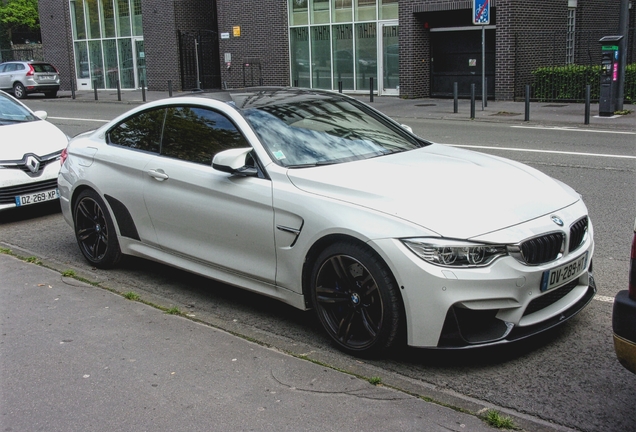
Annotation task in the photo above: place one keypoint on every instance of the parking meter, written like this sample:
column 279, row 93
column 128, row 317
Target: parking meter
column 609, row 75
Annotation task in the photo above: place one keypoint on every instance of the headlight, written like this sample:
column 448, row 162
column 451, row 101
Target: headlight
column 455, row 253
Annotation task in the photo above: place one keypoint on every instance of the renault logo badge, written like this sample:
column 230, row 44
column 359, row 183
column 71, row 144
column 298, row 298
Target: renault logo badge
column 557, row 220
column 32, row 164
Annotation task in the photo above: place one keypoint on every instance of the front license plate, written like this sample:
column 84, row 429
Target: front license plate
column 37, row 197
column 563, row 274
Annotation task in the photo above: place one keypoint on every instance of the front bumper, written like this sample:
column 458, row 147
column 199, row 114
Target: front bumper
column 478, row 306
column 624, row 326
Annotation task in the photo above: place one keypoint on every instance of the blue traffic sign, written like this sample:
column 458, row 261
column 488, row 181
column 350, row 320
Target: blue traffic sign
column 481, row 12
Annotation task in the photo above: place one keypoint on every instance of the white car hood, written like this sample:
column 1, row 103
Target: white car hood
column 39, row 137
column 454, row 192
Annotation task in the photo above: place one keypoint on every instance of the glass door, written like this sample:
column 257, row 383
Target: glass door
column 140, row 63
column 390, row 59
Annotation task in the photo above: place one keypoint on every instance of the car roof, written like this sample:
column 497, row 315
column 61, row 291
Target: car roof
column 253, row 97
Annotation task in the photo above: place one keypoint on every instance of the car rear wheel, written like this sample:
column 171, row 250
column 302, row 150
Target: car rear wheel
column 356, row 299
column 95, row 231
column 19, row 91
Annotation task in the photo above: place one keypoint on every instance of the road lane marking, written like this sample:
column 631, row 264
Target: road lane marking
column 542, row 151
column 78, row 119
column 604, row 299
column 574, row 129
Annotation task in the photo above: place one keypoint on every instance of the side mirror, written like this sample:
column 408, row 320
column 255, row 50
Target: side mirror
column 234, row 161
column 407, row 127
column 41, row 114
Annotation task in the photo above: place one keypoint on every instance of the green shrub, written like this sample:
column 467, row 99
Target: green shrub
column 567, row 83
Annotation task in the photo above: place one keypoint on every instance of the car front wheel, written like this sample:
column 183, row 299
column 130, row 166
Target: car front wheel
column 19, row 91
column 356, row 299
column 95, row 231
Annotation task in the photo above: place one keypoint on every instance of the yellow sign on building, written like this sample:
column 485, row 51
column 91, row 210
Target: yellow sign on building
column 236, row 31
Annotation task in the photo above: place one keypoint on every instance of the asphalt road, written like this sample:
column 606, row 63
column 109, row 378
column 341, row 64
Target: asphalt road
column 569, row 376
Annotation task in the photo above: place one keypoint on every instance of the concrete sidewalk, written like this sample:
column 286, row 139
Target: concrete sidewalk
column 79, row 358
column 540, row 113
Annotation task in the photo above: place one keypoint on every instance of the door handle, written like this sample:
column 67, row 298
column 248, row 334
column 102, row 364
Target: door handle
column 158, row 174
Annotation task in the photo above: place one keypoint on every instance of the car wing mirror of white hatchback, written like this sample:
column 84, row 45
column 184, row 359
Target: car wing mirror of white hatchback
column 234, row 161
column 41, row 114
column 407, row 127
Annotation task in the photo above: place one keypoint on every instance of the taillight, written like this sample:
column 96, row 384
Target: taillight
column 31, row 71
column 632, row 270
column 64, row 155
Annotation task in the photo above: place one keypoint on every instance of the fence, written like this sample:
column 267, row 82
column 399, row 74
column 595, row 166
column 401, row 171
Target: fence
column 543, row 55
column 22, row 54
column 199, row 55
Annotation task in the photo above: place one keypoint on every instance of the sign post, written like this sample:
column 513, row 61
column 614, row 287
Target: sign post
column 481, row 16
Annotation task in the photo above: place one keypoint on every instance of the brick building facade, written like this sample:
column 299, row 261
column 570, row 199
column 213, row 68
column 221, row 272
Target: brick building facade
column 249, row 43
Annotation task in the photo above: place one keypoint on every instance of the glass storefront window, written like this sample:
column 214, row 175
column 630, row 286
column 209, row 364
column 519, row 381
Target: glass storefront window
column 81, row 60
column 92, row 16
column 343, row 67
column 96, row 63
column 300, row 68
column 298, row 12
column 366, row 55
column 321, row 57
column 115, row 47
column 77, row 19
column 341, row 11
column 365, row 10
column 389, row 9
column 127, row 65
column 110, row 63
column 123, row 18
column 108, row 18
column 319, row 11
column 137, row 23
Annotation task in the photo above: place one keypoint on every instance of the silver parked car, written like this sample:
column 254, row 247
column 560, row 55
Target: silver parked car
column 26, row 77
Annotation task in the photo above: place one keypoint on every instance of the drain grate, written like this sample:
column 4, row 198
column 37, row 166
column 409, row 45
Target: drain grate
column 554, row 106
column 425, row 105
column 505, row 114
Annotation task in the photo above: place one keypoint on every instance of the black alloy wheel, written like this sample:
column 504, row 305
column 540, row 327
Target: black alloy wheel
column 95, row 231
column 356, row 299
column 19, row 91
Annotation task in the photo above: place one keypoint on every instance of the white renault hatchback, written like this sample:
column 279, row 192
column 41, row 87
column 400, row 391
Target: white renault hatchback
column 30, row 150
column 320, row 201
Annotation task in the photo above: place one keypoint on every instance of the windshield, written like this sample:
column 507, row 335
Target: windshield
column 310, row 130
column 13, row 112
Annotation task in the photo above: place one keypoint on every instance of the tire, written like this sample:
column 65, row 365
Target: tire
column 356, row 299
column 94, row 230
column 19, row 91
column 50, row 94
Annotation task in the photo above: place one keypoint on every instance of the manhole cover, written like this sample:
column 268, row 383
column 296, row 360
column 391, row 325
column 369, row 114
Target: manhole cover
column 554, row 106
column 425, row 105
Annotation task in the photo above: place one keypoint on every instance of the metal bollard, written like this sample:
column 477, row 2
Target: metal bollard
column 587, row 104
column 527, row 115
column 143, row 91
column 169, row 88
column 95, row 88
column 472, row 101
column 485, row 92
column 370, row 89
column 118, row 91
column 295, row 83
column 72, row 89
column 455, row 98
column 339, row 86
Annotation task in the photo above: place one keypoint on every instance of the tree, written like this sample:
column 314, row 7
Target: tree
column 18, row 15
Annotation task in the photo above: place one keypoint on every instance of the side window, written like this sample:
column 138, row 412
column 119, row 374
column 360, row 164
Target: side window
column 141, row 132
column 197, row 134
column 2, row 67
